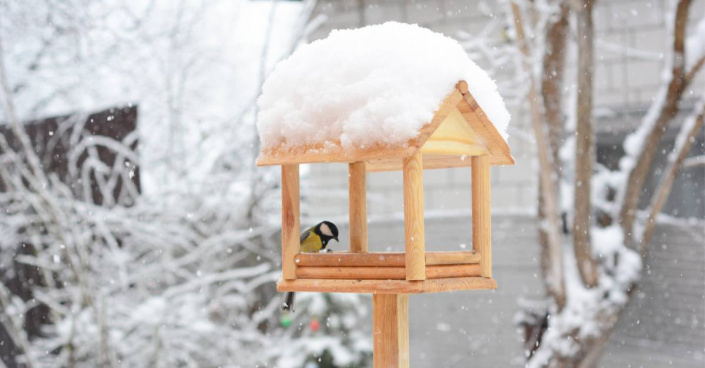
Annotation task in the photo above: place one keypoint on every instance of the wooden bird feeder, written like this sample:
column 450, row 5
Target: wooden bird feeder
column 459, row 135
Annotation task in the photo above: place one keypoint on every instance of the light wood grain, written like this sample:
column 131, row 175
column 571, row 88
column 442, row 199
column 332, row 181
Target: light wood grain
column 481, row 215
column 357, row 188
column 387, row 286
column 454, row 137
column 481, row 124
column 339, row 259
column 384, row 273
column 449, row 271
column 382, row 259
column 414, row 232
column 430, row 161
column 351, row 273
column 452, row 258
column 291, row 245
column 462, row 86
column 390, row 331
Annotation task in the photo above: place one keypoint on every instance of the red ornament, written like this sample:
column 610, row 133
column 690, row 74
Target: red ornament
column 315, row 326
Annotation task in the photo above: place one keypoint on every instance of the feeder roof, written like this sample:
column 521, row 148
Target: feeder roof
column 378, row 94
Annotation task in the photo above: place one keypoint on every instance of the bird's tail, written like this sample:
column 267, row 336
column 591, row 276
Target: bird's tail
column 288, row 304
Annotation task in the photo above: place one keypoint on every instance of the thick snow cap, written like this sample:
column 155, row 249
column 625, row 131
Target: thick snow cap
column 374, row 85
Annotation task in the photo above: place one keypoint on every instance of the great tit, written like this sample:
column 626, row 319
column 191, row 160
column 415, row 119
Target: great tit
column 313, row 240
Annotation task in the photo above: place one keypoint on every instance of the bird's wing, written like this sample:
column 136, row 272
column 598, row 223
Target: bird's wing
column 305, row 235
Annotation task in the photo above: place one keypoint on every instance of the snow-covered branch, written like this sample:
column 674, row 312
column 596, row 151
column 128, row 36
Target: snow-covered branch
column 694, row 162
column 131, row 279
column 640, row 146
column 547, row 180
column 676, row 158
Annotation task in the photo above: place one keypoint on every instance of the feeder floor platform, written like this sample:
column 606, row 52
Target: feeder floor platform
column 388, row 286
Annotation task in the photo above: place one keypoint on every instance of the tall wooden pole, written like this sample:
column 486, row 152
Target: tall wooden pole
column 357, row 186
column 291, row 245
column 481, row 216
column 413, row 218
column 390, row 318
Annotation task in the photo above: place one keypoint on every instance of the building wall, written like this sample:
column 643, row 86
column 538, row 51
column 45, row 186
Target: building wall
column 632, row 38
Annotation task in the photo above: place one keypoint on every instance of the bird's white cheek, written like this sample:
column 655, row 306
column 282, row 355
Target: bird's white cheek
column 325, row 230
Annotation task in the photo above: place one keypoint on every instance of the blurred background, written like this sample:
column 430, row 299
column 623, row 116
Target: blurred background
column 136, row 230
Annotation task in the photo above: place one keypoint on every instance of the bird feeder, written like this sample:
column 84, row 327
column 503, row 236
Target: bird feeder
column 459, row 135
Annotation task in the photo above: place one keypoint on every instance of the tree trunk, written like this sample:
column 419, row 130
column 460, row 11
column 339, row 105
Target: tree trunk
column 553, row 71
column 546, row 107
column 585, row 149
column 555, row 281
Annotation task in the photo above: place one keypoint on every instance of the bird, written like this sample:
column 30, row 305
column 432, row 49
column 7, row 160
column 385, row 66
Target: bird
column 313, row 240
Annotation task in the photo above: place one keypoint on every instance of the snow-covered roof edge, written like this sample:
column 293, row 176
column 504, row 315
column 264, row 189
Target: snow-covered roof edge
column 377, row 85
column 459, row 97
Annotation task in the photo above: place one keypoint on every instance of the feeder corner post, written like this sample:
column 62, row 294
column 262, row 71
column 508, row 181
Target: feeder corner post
column 481, row 215
column 414, row 232
column 291, row 244
column 390, row 318
column 357, row 186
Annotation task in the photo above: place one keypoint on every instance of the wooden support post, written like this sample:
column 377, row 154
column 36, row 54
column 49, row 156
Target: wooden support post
column 291, row 245
column 413, row 218
column 390, row 319
column 357, row 186
column 481, row 217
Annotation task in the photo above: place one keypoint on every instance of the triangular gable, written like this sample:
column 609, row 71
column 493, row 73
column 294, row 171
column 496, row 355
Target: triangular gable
column 459, row 129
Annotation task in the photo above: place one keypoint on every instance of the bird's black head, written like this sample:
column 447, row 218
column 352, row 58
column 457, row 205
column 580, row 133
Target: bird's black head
column 327, row 231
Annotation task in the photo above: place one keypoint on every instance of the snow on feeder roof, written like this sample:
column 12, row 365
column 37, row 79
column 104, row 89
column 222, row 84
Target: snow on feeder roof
column 378, row 94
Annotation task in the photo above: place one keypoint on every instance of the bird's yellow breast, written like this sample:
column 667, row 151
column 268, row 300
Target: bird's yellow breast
column 312, row 243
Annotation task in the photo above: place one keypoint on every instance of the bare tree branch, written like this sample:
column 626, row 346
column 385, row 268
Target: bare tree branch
column 552, row 81
column 654, row 124
column 555, row 282
column 15, row 328
column 552, row 93
column 585, row 148
column 694, row 162
column 690, row 75
column 684, row 142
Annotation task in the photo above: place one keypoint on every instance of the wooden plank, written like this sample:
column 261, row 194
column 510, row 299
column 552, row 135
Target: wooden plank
column 452, row 258
column 388, row 286
column 478, row 120
column 382, row 259
column 481, row 216
column 350, row 260
column 449, row 271
column 332, row 152
column 351, row 273
column 384, row 273
column 291, row 245
column 357, row 187
column 430, row 161
column 414, row 218
column 390, row 330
